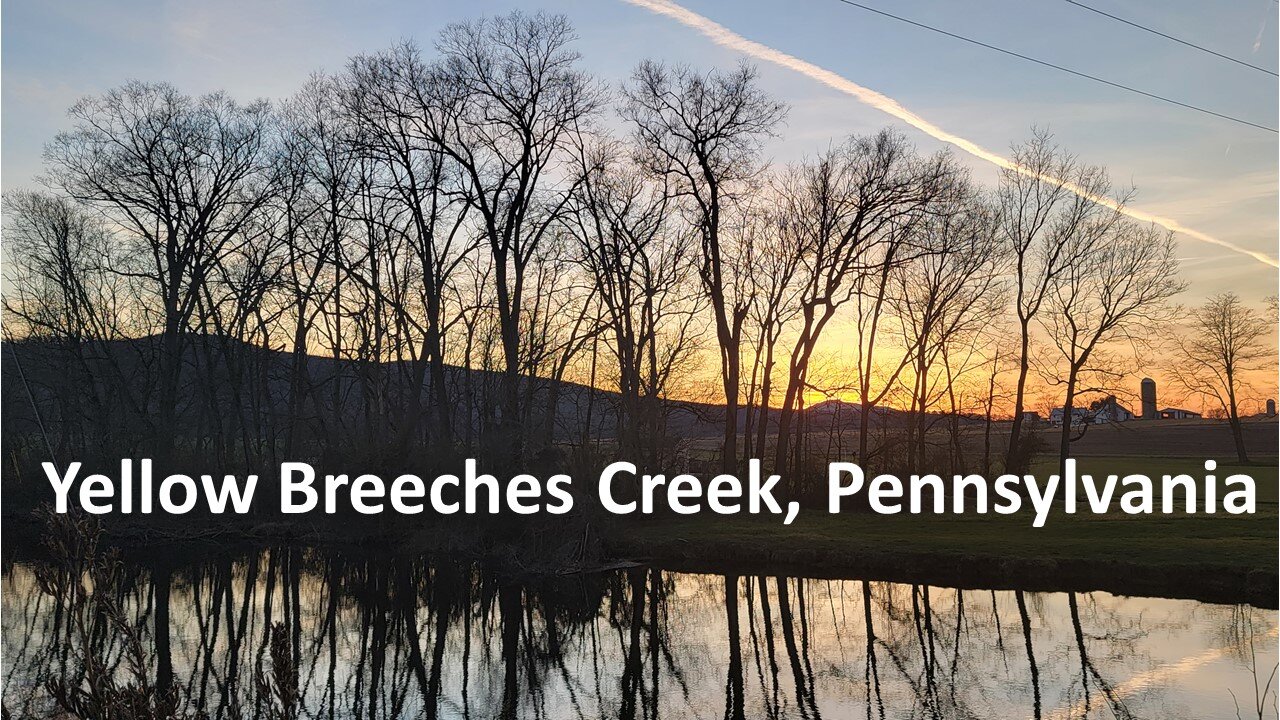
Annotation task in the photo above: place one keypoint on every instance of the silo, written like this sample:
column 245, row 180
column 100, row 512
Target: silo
column 1148, row 399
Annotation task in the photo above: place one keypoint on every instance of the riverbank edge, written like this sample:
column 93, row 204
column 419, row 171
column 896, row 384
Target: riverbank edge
column 656, row 546
column 1204, row 582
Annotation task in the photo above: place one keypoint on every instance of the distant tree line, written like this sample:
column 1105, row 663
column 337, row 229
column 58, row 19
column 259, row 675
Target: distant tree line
column 419, row 254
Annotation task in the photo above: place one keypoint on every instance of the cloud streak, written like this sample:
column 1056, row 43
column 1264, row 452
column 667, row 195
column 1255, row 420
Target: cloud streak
column 1160, row 675
column 727, row 38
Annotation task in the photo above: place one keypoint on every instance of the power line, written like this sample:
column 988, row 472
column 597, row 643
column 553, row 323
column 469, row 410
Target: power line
column 1170, row 37
column 1045, row 63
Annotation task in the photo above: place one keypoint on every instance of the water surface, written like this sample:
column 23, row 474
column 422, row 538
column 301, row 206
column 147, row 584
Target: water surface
column 290, row 632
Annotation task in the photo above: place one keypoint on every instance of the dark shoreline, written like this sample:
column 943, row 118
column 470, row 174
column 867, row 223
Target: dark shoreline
column 1226, row 585
column 1204, row 582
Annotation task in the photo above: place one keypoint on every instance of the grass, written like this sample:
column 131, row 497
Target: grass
column 1246, row 543
column 1175, row 554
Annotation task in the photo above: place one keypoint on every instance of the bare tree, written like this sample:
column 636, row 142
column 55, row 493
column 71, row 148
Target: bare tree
column 56, row 270
column 944, row 300
column 774, row 304
column 1045, row 202
column 387, row 98
column 998, row 357
column 508, row 104
column 1116, row 289
column 235, row 318
column 1225, row 340
column 319, row 178
column 875, row 379
column 60, row 292
column 837, row 209
column 704, row 132
column 640, row 259
column 561, row 318
column 182, row 177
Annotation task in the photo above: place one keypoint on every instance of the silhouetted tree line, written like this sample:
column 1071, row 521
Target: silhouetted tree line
column 430, row 254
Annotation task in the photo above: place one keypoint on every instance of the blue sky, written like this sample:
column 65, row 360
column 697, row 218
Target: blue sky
column 1206, row 173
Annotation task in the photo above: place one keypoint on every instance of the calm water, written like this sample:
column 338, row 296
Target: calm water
column 295, row 633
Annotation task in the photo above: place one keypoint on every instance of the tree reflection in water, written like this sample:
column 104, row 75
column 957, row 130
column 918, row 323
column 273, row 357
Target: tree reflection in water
column 289, row 632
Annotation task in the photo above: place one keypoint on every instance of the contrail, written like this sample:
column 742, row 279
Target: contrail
column 725, row 37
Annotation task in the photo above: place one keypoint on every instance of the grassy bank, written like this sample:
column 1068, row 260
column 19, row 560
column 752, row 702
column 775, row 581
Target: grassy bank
column 1215, row 558
column 1218, row 557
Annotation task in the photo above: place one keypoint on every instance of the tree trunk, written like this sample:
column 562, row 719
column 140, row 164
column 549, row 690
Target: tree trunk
column 1068, row 410
column 1237, row 430
column 1013, row 460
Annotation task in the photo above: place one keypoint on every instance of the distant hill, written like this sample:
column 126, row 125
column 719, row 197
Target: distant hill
column 32, row 372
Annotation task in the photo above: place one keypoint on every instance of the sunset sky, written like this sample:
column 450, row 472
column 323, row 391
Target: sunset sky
column 1206, row 173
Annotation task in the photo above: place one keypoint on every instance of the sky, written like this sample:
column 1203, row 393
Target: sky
column 1205, row 173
